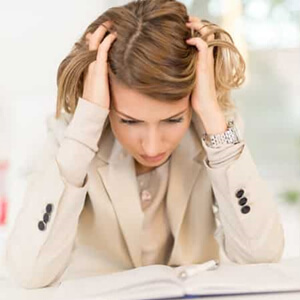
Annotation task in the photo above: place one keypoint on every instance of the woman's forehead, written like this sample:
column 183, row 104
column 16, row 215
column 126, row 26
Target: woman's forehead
column 148, row 110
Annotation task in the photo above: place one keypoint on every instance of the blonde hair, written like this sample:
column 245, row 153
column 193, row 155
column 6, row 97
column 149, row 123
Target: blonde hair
column 150, row 55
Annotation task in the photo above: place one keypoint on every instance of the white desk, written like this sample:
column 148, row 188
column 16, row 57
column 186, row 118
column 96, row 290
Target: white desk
column 9, row 290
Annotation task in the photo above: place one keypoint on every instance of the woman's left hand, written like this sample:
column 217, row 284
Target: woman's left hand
column 204, row 96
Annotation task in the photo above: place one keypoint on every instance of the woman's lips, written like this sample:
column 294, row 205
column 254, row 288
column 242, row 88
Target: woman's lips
column 154, row 158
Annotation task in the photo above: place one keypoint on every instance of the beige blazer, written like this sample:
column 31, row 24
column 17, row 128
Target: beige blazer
column 87, row 188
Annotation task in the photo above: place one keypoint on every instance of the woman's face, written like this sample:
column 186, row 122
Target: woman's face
column 147, row 127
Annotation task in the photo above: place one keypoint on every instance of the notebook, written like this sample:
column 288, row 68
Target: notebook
column 166, row 282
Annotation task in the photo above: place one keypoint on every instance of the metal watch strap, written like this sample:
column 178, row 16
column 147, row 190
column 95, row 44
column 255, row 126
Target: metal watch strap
column 230, row 136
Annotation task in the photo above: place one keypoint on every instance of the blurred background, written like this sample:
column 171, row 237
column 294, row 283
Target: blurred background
column 35, row 37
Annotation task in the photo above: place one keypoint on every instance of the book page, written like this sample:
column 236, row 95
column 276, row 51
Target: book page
column 140, row 283
column 236, row 279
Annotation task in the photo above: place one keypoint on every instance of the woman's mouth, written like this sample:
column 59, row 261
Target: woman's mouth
column 154, row 158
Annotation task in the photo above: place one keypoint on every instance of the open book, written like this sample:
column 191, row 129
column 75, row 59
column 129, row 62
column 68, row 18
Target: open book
column 165, row 282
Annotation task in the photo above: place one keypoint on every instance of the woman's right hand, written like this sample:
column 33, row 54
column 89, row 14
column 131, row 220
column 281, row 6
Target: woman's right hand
column 96, row 86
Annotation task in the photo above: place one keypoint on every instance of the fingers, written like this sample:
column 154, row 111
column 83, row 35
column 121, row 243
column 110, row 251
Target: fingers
column 105, row 46
column 194, row 19
column 205, row 52
column 196, row 24
column 95, row 38
column 96, row 42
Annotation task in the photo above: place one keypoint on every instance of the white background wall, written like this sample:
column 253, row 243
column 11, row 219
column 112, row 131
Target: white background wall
column 34, row 38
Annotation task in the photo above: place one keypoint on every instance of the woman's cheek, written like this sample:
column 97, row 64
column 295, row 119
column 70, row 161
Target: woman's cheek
column 127, row 135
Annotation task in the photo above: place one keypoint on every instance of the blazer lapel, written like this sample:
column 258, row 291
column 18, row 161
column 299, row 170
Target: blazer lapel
column 185, row 166
column 119, row 178
column 120, row 181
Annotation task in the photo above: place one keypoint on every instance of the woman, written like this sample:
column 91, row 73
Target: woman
column 100, row 200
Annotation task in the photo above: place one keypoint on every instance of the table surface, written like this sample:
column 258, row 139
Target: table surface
column 9, row 290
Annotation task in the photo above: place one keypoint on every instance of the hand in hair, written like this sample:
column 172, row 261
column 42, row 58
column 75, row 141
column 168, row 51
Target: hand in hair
column 96, row 86
column 204, row 96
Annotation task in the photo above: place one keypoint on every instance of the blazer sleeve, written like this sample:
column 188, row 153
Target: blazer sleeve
column 40, row 243
column 250, row 229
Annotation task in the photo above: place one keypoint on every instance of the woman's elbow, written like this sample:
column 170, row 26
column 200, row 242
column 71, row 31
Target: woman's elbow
column 254, row 253
column 27, row 272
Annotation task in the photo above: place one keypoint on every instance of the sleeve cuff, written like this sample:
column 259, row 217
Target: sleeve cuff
column 226, row 154
column 87, row 123
column 222, row 156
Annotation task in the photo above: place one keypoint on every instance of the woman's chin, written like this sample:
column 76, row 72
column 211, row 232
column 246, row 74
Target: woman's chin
column 156, row 163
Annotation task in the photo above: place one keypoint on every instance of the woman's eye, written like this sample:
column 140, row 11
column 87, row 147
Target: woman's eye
column 128, row 121
column 131, row 122
column 176, row 120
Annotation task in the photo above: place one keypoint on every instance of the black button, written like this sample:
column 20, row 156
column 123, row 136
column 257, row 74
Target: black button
column 46, row 217
column 49, row 208
column 239, row 193
column 41, row 225
column 243, row 201
column 245, row 209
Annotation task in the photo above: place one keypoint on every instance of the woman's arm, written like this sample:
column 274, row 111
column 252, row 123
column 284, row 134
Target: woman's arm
column 249, row 232
column 252, row 233
column 38, row 252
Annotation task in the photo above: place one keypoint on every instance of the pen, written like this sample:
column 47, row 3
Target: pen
column 190, row 270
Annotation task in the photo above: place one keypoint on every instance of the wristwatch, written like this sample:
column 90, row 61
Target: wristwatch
column 230, row 136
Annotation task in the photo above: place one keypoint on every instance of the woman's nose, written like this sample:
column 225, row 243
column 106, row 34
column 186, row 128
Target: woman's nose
column 152, row 143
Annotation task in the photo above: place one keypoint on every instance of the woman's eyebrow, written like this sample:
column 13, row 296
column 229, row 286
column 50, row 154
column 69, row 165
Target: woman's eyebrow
column 143, row 121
